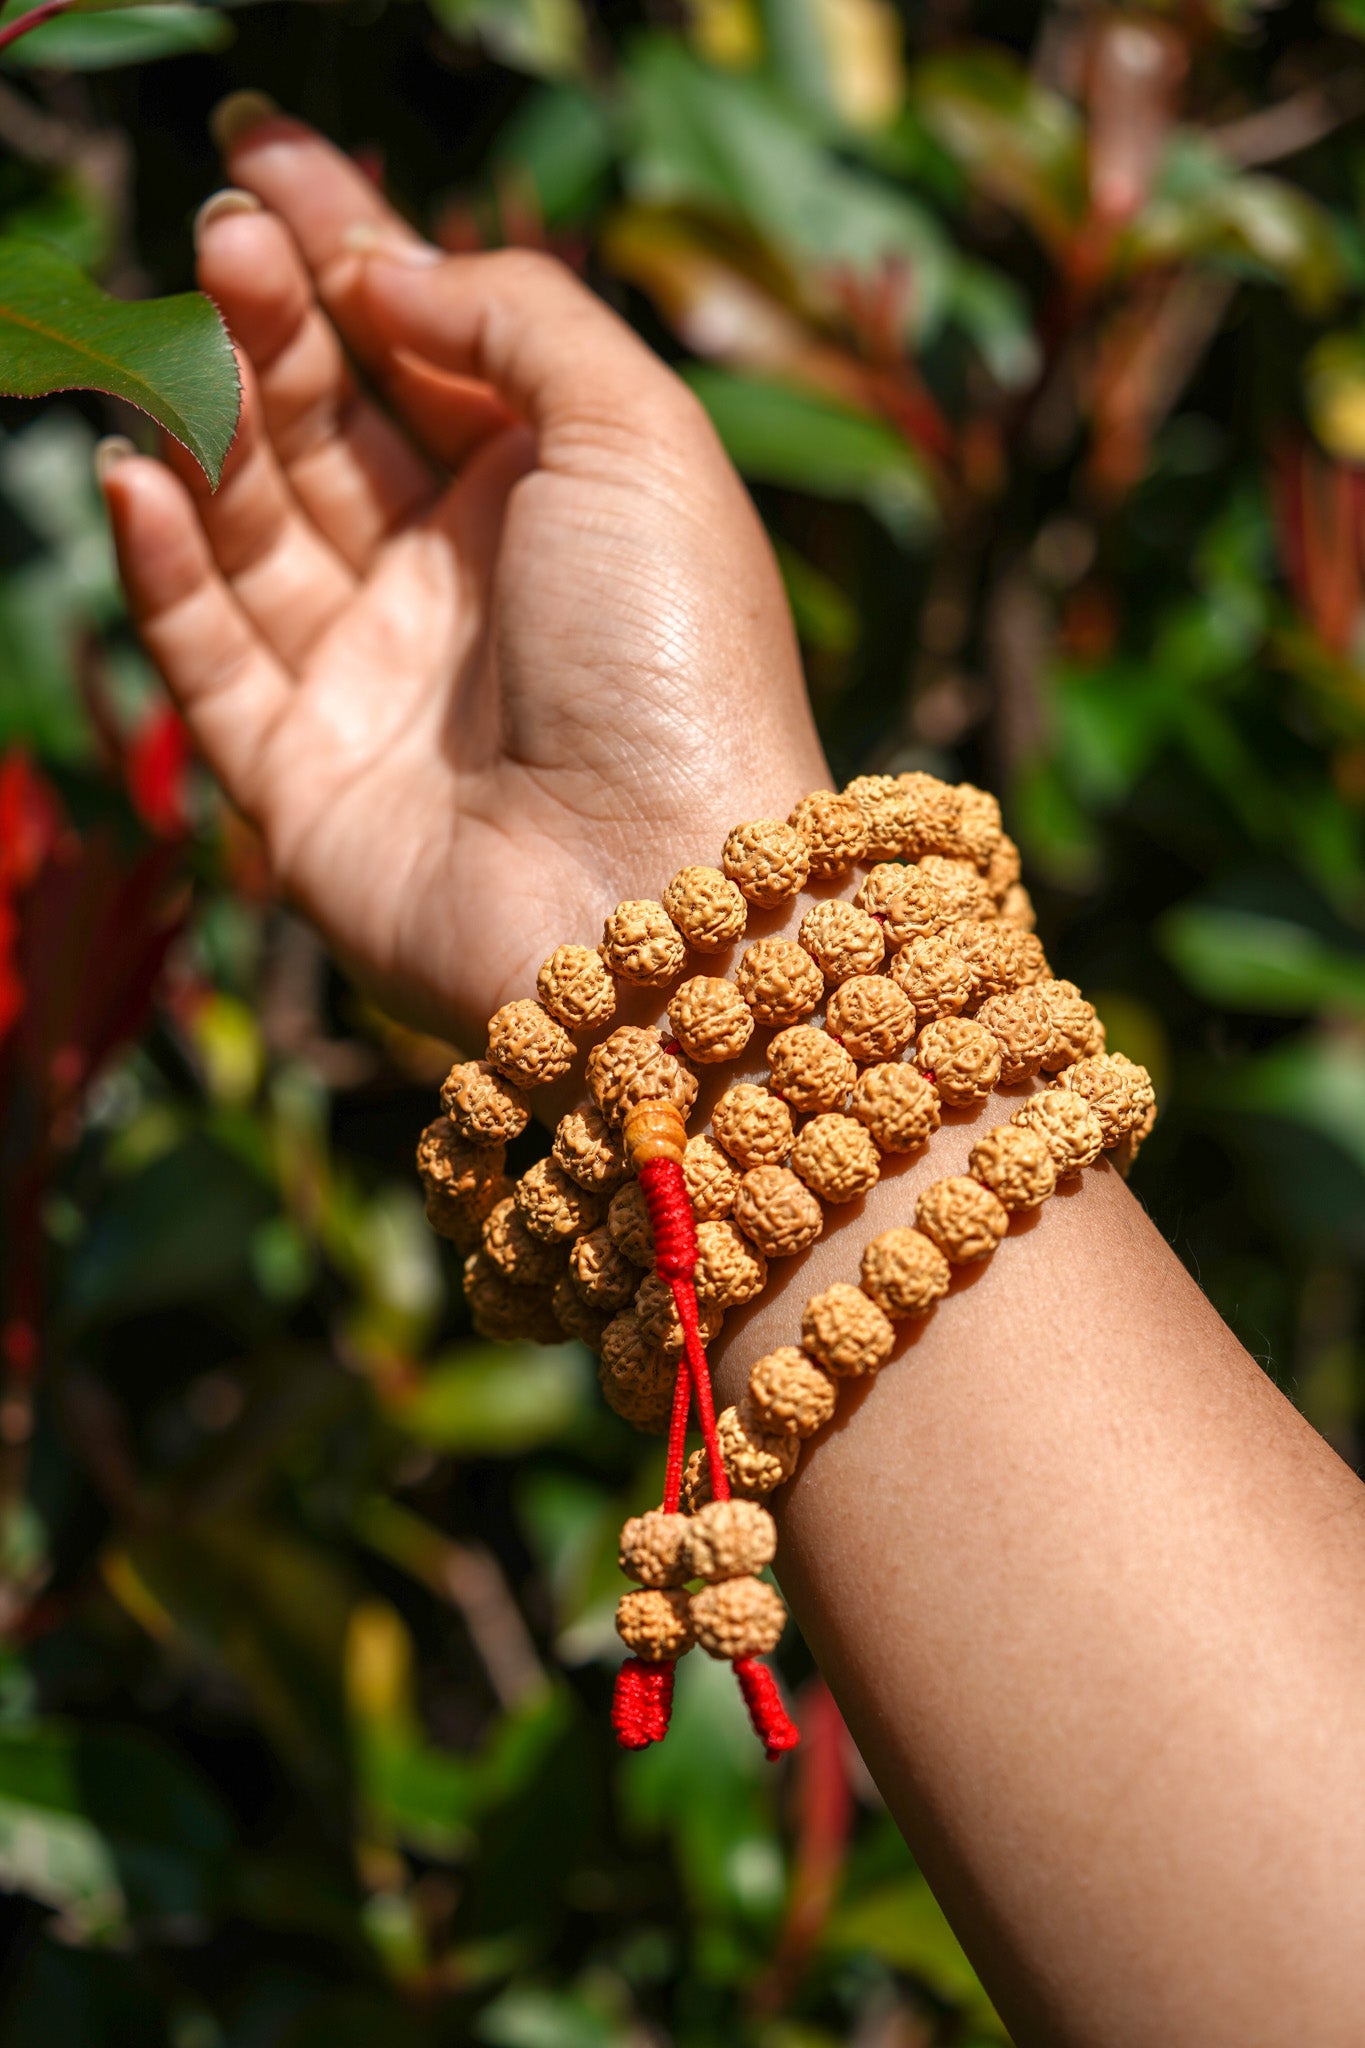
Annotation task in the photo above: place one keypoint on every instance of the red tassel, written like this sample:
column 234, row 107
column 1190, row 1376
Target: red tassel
column 641, row 1703
column 773, row 1725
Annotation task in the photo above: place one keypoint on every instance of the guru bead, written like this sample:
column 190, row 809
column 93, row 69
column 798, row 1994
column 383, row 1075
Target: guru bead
column 904, row 1273
column 1021, row 1025
column 527, row 1046
column 709, row 1178
column 1077, row 1032
column 737, row 1618
column 834, row 830
column 897, row 1107
column 779, row 981
column 603, row 1277
column 554, row 1207
column 870, row 1016
column 589, row 1151
column 836, row 1158
column 729, row 1537
column 484, row 1108
column 516, row 1254
column 846, row 1332
column 842, row 940
column 1015, row 1164
column 962, row 1218
column 641, row 943
column 1067, row 1125
column 576, row 988
column 654, row 1549
column 788, row 1391
column 754, row 1127
column 1119, row 1092
column 655, row 1623
column 729, row 1270
column 635, row 1065
column 933, row 977
column 653, row 1130
column 810, row 1070
column 767, row 860
column 707, row 908
column 778, row 1212
column 962, row 1057
column 710, row 1019
column 889, row 814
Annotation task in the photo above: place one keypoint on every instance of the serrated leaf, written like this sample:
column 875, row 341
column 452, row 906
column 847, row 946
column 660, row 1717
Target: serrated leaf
column 169, row 357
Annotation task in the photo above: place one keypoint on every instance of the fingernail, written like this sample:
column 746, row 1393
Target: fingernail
column 109, row 452
column 220, row 204
column 368, row 240
column 237, row 115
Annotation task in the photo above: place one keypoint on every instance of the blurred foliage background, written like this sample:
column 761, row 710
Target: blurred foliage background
column 1037, row 331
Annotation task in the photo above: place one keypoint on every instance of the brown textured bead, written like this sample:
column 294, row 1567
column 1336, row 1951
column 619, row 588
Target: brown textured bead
column 656, row 1623
column 728, row 1537
column 653, row 1130
column 710, row 1019
column 933, row 977
column 756, row 1459
column 1119, row 1092
column 1021, row 1025
column 589, row 1151
column 1077, row 1032
column 629, row 1226
column 462, row 1182
column 903, row 1272
column 574, row 1317
column 634, row 1065
column 842, row 940
column 526, row 1044
column 962, row 889
column 962, row 1218
column 516, row 1254
column 460, row 1217
column 654, row 1548
column 809, row 1069
column 779, row 981
column 836, row 1158
column 1033, row 960
column 656, row 1311
column 979, row 827
column 730, row 1271
column 754, row 1127
column 576, row 988
column 707, row 908
column 603, row 1276
column 711, row 1181
column 554, row 1207
column 907, row 903
column 846, row 1332
column 962, row 1057
column 737, row 1618
column 636, row 1380
column 767, row 859
column 1004, row 867
column 777, row 1212
column 870, row 1016
column 641, row 944
column 1015, row 1165
column 889, row 813
column 484, row 1108
column 936, row 809
column 500, row 1309
column 788, row 1391
column 1067, row 1125
column 834, row 830
column 1016, row 909
column 896, row 1106
column 993, row 952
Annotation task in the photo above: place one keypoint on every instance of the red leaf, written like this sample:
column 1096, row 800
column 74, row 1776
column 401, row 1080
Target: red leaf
column 157, row 765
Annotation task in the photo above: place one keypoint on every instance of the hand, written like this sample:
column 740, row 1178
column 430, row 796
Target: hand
column 471, row 695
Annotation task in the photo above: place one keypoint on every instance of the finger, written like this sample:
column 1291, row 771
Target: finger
column 353, row 472
column 290, row 582
column 453, row 416
column 233, row 691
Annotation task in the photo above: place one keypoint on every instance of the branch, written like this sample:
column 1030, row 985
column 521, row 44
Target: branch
column 35, row 18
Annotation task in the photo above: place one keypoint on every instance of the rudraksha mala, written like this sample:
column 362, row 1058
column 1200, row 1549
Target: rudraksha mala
column 637, row 1238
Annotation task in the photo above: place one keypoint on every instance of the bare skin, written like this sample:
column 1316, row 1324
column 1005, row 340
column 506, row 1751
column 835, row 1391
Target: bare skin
column 1090, row 1592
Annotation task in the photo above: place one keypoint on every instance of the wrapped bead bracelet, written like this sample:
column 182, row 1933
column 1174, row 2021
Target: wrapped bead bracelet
column 636, row 1237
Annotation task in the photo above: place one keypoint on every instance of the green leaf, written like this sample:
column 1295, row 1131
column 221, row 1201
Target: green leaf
column 562, row 140
column 1249, row 962
column 81, row 41
column 495, row 1400
column 903, row 1925
column 99, row 1824
column 780, row 434
column 1316, row 1081
column 825, row 617
column 169, row 357
column 1260, row 226
column 546, row 37
column 1017, row 142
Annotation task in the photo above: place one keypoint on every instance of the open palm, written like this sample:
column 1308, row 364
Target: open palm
column 472, row 689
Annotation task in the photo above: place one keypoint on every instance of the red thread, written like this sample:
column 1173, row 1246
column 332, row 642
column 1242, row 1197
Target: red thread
column 773, row 1725
column 641, row 1703
column 677, row 1439
column 670, row 1213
